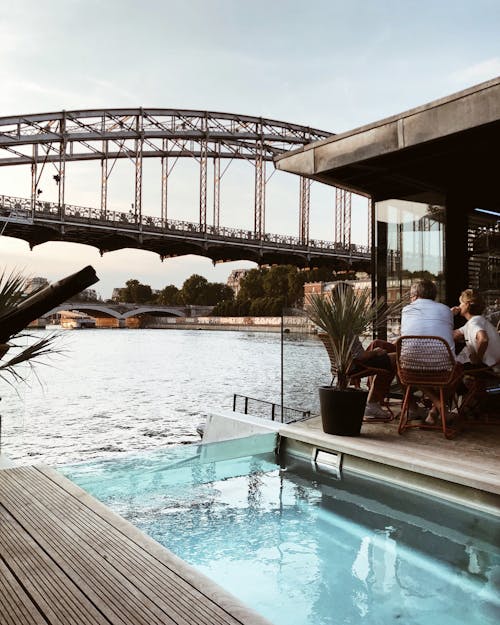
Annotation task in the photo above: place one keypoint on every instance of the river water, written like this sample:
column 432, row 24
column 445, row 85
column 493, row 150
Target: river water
column 117, row 391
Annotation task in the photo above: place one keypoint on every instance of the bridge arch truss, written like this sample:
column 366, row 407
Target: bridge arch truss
column 136, row 134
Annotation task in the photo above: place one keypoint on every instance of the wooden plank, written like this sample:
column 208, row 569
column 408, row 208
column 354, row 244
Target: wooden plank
column 95, row 543
column 57, row 598
column 113, row 596
column 16, row 608
column 155, row 578
column 127, row 576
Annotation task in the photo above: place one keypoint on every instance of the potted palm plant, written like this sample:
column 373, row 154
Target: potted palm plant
column 343, row 316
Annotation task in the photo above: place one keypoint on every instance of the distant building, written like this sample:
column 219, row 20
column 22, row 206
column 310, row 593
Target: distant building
column 88, row 295
column 235, row 278
column 395, row 288
column 115, row 295
column 35, row 284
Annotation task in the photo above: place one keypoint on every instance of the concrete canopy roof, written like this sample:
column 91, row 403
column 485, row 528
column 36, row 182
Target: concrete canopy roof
column 448, row 147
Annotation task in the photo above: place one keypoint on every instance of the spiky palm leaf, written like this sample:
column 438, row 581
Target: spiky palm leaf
column 12, row 287
column 345, row 315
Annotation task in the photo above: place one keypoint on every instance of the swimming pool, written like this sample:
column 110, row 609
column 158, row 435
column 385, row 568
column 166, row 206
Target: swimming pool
column 301, row 547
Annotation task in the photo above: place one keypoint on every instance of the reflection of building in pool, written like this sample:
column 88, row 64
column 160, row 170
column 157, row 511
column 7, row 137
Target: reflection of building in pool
column 408, row 546
column 431, row 174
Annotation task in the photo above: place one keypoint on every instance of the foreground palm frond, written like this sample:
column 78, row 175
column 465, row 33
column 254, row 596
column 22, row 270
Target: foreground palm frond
column 12, row 286
column 34, row 354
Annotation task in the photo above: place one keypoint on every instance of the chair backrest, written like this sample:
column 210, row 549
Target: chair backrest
column 359, row 369
column 424, row 360
column 325, row 339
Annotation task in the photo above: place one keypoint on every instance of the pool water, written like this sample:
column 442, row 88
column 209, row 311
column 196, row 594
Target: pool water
column 301, row 547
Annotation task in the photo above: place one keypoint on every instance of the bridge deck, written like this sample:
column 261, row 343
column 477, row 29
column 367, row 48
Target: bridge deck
column 112, row 230
column 65, row 559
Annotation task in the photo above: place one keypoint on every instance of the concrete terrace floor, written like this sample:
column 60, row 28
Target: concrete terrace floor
column 469, row 461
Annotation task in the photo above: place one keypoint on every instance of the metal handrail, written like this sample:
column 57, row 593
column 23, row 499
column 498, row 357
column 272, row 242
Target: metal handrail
column 22, row 207
column 276, row 412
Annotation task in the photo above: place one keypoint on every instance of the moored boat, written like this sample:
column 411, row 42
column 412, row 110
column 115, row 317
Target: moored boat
column 78, row 323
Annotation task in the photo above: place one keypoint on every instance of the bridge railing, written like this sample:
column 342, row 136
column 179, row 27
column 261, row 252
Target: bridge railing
column 10, row 206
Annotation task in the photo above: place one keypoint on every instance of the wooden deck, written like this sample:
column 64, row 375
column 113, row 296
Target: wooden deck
column 65, row 559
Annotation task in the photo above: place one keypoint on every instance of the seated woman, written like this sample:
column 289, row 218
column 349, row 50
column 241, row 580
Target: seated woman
column 482, row 341
column 481, row 354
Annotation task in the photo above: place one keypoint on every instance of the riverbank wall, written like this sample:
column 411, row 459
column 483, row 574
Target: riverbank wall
column 238, row 324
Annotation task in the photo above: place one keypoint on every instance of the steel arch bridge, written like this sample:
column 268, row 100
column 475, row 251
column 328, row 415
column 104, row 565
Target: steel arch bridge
column 106, row 135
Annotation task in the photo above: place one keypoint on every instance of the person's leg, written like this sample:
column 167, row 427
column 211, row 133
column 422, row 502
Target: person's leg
column 379, row 389
column 435, row 411
column 381, row 344
column 433, row 394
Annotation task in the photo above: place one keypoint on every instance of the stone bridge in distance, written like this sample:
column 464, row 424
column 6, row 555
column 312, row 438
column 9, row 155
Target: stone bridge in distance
column 122, row 312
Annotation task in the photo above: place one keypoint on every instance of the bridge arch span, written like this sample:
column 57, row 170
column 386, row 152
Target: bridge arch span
column 212, row 140
column 87, row 308
column 152, row 310
column 120, row 311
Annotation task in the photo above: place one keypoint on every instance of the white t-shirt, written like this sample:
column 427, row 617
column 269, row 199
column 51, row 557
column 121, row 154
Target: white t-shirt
column 425, row 317
column 470, row 330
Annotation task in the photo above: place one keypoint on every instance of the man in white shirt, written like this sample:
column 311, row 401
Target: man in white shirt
column 425, row 317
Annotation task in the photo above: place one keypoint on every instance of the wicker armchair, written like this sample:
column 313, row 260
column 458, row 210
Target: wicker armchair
column 426, row 363
column 482, row 396
column 360, row 371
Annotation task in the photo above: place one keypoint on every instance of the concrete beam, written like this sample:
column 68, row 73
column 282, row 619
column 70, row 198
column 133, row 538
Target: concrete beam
column 459, row 112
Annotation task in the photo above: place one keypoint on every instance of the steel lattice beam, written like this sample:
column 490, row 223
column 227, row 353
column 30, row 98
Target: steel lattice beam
column 260, row 197
column 203, row 186
column 239, row 136
column 104, row 179
column 107, row 135
column 164, row 182
column 305, row 199
column 217, row 178
column 343, row 207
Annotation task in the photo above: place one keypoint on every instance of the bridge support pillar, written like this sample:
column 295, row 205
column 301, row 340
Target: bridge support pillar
column 122, row 323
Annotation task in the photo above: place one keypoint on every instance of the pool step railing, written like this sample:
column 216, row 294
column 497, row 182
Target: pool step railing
column 268, row 410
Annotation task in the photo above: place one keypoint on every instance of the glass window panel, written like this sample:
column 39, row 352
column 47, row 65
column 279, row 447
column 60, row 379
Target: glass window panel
column 415, row 244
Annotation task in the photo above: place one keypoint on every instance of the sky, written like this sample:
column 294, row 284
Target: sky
column 327, row 64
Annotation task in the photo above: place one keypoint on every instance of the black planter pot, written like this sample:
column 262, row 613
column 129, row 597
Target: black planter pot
column 342, row 411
